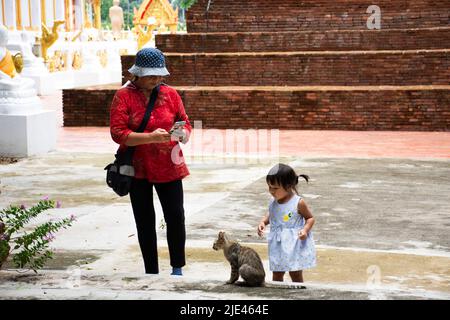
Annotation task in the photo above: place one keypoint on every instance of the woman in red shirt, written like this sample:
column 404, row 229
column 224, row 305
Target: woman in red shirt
column 158, row 159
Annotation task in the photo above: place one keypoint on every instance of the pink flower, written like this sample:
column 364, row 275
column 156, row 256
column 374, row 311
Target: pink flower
column 45, row 198
column 49, row 237
column 73, row 217
column 58, row 204
column 4, row 237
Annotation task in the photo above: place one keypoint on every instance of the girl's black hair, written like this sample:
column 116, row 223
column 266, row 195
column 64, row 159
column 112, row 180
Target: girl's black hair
column 283, row 175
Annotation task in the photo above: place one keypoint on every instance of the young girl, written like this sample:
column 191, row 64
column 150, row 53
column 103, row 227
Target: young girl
column 291, row 244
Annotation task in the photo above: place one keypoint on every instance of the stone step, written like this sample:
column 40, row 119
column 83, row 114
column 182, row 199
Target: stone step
column 414, row 108
column 333, row 40
column 349, row 68
column 294, row 15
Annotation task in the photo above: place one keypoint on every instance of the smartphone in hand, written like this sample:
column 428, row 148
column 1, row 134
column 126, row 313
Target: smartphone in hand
column 177, row 125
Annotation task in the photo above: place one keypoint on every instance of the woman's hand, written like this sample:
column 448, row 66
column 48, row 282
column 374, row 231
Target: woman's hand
column 159, row 136
column 179, row 135
column 302, row 234
column 261, row 228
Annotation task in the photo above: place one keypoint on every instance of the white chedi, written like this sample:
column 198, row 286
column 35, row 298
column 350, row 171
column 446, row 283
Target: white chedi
column 17, row 94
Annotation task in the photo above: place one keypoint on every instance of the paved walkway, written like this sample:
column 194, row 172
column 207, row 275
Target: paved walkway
column 380, row 200
column 304, row 143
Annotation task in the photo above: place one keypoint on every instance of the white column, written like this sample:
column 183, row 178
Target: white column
column 25, row 14
column 49, row 18
column 60, row 10
column 78, row 14
column 10, row 13
column 2, row 19
column 36, row 14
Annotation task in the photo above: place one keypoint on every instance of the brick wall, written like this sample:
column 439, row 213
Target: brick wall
column 419, row 110
column 294, row 69
column 294, row 15
column 87, row 106
column 408, row 39
column 127, row 62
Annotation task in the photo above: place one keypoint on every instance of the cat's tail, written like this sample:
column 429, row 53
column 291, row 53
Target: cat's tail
column 252, row 276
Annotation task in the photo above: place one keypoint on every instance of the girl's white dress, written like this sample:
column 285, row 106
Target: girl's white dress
column 286, row 251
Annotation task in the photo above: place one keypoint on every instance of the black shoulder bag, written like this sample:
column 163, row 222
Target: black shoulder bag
column 120, row 173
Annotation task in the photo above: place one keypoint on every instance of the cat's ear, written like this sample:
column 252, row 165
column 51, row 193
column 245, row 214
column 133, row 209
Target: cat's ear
column 221, row 234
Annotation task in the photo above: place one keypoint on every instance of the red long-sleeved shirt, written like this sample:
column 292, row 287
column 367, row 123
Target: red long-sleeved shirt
column 156, row 162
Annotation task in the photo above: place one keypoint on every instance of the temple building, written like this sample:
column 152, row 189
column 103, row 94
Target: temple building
column 157, row 12
column 62, row 43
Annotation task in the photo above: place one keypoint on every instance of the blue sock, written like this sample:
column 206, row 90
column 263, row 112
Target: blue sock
column 176, row 272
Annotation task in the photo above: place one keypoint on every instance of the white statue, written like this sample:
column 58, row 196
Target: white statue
column 32, row 65
column 116, row 16
column 17, row 94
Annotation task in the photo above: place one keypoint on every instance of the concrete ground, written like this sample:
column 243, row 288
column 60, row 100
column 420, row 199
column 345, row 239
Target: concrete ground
column 381, row 202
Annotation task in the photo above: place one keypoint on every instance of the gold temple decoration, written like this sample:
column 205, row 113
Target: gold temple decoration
column 63, row 61
column 153, row 14
column 145, row 34
column 96, row 9
column 77, row 60
column 52, row 62
column 103, row 57
column 58, row 62
column 86, row 19
column 161, row 10
column 18, row 62
column 43, row 11
column 97, row 14
column 18, row 15
column 3, row 13
column 67, row 15
column 77, row 35
column 30, row 19
column 49, row 38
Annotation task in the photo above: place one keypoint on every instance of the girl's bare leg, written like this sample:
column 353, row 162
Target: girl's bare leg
column 296, row 276
column 278, row 276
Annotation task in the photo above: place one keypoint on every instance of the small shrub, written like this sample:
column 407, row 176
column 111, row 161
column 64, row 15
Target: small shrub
column 29, row 250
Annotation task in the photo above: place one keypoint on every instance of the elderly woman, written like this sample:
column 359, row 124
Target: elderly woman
column 158, row 160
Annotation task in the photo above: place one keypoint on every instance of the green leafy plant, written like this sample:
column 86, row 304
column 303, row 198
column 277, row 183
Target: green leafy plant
column 184, row 4
column 29, row 249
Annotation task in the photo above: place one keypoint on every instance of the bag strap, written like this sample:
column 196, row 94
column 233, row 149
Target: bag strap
column 151, row 104
column 149, row 110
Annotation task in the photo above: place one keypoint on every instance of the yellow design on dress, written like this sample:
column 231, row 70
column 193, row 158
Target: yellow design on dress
column 287, row 216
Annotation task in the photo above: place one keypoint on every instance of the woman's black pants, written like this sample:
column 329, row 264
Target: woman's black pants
column 171, row 197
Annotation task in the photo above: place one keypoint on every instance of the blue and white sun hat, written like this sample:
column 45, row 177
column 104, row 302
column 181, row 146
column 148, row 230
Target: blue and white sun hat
column 149, row 62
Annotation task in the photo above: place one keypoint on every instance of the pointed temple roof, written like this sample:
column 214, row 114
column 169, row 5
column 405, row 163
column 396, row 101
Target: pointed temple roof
column 160, row 9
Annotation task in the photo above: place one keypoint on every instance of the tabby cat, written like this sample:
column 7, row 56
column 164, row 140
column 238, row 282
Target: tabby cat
column 244, row 261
